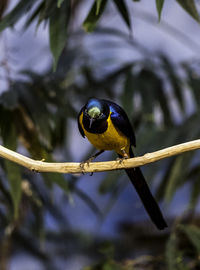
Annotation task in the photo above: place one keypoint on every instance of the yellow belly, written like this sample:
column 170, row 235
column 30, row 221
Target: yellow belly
column 111, row 139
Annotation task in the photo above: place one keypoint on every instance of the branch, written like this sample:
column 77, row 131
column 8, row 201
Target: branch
column 69, row 167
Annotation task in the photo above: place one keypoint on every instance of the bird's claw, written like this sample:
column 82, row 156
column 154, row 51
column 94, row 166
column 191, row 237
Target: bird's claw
column 82, row 164
column 121, row 159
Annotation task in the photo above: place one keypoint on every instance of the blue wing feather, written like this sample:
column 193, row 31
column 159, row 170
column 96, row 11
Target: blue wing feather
column 121, row 121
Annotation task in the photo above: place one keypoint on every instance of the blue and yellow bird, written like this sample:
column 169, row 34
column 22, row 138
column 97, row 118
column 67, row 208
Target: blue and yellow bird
column 107, row 127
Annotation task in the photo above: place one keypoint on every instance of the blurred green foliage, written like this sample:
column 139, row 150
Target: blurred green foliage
column 35, row 112
column 58, row 14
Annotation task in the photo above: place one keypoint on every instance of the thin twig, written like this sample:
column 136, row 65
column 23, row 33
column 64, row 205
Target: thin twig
column 69, row 167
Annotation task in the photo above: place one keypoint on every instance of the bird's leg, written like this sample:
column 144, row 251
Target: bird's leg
column 123, row 156
column 94, row 156
column 91, row 159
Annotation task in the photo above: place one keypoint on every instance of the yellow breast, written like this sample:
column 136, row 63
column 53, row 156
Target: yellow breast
column 111, row 139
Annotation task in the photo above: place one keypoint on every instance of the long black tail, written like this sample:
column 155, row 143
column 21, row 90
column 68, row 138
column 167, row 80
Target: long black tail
column 150, row 204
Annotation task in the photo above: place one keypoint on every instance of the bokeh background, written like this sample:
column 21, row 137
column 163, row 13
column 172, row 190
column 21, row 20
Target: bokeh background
column 54, row 55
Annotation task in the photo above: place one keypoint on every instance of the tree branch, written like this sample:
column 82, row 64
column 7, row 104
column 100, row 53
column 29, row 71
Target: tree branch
column 69, row 167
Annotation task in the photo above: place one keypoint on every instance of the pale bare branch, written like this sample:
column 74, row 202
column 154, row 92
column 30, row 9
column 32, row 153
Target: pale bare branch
column 71, row 167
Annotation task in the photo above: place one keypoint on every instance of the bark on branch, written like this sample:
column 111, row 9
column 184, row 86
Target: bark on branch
column 70, row 167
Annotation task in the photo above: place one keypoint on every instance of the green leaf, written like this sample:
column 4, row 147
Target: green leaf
column 164, row 105
column 127, row 96
column 34, row 15
column 193, row 234
column 171, row 252
column 3, row 6
column 178, row 174
column 14, row 176
column 13, row 170
column 108, row 264
column 98, row 6
column 58, row 30
column 94, row 15
column 146, row 82
column 60, row 181
column 159, row 6
column 9, row 99
column 190, row 7
column 160, row 193
column 123, row 11
column 109, row 183
column 39, row 113
column 59, row 3
column 174, row 79
column 193, row 81
column 195, row 192
column 19, row 10
column 47, row 9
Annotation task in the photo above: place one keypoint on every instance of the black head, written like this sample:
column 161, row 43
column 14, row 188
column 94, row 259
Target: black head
column 95, row 114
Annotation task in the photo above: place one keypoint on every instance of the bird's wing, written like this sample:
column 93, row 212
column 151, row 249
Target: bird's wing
column 121, row 121
column 79, row 124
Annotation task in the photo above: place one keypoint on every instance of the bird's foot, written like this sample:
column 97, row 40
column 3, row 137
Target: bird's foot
column 82, row 164
column 121, row 159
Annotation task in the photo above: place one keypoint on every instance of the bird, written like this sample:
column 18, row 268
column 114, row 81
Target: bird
column 107, row 127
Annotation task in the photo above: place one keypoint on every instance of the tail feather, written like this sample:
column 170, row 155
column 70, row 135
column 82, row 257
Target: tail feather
column 150, row 204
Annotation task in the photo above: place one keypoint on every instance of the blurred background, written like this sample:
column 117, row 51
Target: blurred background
column 54, row 55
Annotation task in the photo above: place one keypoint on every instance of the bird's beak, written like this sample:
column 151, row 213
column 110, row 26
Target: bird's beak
column 91, row 121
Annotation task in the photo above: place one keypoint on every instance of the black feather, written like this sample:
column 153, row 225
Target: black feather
column 150, row 204
column 79, row 124
column 121, row 121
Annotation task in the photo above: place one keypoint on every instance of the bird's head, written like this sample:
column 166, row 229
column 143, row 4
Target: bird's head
column 96, row 111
